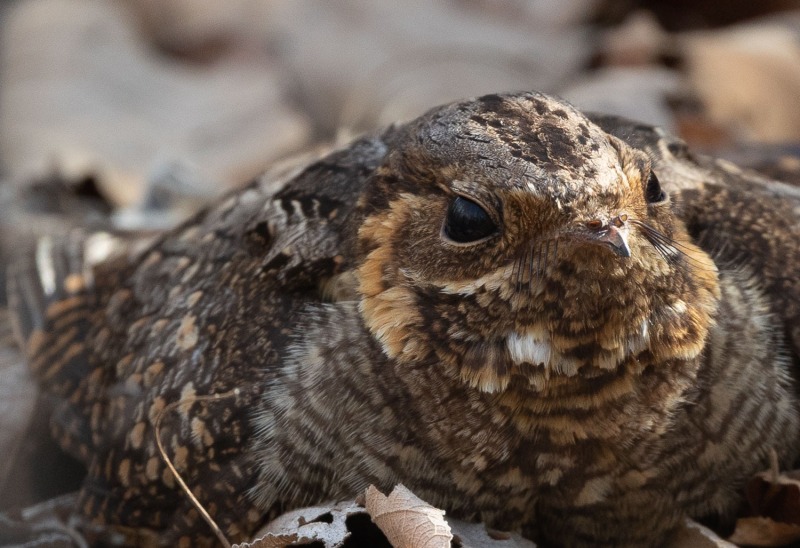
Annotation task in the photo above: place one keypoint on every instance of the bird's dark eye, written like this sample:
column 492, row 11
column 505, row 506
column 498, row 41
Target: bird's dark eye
column 467, row 221
column 653, row 193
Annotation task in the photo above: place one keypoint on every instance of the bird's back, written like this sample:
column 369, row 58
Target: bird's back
column 189, row 326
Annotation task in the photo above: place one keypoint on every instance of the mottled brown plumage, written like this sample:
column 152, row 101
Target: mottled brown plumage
column 495, row 305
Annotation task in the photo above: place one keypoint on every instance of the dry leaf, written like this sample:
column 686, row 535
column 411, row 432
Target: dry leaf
column 776, row 496
column 693, row 535
column 368, row 63
column 638, row 41
column 46, row 524
column 761, row 531
column 332, row 525
column 328, row 524
column 269, row 540
column 407, row 520
column 83, row 93
column 748, row 77
column 195, row 28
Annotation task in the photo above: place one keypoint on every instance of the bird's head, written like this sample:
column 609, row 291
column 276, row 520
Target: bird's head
column 509, row 236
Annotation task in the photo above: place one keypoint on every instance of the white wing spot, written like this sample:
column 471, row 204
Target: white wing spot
column 44, row 265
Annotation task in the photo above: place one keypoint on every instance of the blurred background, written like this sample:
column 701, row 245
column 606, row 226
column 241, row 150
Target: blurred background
column 131, row 113
column 127, row 91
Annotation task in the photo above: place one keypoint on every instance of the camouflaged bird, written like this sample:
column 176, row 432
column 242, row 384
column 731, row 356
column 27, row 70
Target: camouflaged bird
column 572, row 328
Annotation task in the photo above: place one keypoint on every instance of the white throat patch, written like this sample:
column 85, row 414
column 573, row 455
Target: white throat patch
column 529, row 348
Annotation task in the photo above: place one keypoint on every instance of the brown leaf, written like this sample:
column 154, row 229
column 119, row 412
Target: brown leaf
column 748, row 77
column 407, row 520
column 640, row 40
column 776, row 496
column 760, row 531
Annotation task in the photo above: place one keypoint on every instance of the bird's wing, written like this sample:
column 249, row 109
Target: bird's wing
column 205, row 310
column 51, row 292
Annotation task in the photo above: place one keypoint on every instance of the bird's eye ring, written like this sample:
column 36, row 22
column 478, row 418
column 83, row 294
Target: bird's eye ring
column 467, row 222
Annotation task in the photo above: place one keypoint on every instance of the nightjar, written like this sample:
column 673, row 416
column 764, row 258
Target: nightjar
column 562, row 324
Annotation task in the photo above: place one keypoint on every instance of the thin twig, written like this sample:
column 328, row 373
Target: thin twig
column 774, row 466
column 208, row 519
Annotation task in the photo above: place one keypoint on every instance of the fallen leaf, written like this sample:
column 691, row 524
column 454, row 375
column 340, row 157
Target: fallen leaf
column 330, row 524
column 638, row 41
column 748, row 77
column 776, row 496
column 407, row 520
column 347, row 523
column 761, row 531
column 46, row 524
column 369, row 63
column 269, row 541
column 84, row 94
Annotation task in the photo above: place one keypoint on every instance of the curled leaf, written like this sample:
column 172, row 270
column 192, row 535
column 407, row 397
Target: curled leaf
column 407, row 520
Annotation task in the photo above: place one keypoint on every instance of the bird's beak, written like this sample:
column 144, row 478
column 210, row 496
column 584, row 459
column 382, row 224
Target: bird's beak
column 616, row 238
column 613, row 234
